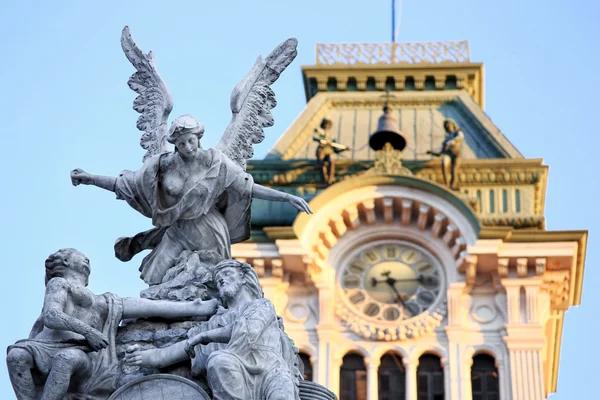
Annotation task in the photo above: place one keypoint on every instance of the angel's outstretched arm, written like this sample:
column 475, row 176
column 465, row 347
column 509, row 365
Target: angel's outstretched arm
column 265, row 193
column 80, row 177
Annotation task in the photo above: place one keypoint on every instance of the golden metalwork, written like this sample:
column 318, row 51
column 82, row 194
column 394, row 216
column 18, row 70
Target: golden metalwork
column 393, row 53
column 388, row 162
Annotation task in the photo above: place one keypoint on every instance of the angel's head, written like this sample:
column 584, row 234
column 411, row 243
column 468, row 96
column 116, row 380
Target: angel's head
column 185, row 133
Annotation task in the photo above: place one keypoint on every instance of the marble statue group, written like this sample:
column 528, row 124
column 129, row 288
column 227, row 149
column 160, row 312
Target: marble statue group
column 203, row 317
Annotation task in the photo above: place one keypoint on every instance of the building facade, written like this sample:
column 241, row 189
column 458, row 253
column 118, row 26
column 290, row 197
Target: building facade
column 398, row 287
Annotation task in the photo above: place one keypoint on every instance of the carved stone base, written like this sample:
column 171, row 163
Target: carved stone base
column 313, row 391
column 150, row 334
column 160, row 387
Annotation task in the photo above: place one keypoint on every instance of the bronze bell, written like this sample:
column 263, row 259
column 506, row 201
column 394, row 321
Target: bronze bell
column 387, row 132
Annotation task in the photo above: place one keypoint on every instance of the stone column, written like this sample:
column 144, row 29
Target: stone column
column 334, row 375
column 527, row 374
column 373, row 378
column 466, row 389
column 326, row 374
column 446, row 368
column 503, row 378
column 525, row 338
column 457, row 375
column 410, row 367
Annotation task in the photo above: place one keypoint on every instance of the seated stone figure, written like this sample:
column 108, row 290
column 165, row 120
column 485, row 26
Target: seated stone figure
column 70, row 352
column 242, row 349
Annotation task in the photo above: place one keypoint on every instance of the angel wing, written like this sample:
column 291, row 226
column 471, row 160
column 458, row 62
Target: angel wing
column 154, row 102
column 251, row 103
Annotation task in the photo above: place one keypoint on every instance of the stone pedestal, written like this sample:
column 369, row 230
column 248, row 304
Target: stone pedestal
column 150, row 334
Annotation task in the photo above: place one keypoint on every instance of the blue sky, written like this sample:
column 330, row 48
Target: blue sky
column 65, row 104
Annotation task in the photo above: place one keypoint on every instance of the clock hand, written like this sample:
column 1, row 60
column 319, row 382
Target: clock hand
column 391, row 282
column 374, row 281
column 399, row 297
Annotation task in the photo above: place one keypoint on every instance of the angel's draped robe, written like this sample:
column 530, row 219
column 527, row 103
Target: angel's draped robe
column 212, row 215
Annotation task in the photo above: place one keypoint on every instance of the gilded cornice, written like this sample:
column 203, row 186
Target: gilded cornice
column 461, row 76
column 305, row 176
column 516, row 222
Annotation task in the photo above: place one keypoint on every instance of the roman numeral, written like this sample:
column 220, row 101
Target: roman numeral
column 391, row 252
column 372, row 256
column 410, row 256
column 357, row 297
column 351, row 282
column 424, row 267
column 372, row 309
column 358, row 267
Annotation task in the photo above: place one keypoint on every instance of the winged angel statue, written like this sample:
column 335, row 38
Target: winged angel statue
column 198, row 199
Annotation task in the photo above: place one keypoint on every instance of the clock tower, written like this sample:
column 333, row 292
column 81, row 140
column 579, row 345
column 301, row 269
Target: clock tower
column 426, row 271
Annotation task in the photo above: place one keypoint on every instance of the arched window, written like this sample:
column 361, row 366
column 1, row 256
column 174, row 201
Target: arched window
column 430, row 378
column 484, row 378
column 306, row 366
column 392, row 378
column 353, row 378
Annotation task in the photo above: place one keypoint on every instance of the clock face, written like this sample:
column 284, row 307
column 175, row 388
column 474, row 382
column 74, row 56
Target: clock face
column 391, row 282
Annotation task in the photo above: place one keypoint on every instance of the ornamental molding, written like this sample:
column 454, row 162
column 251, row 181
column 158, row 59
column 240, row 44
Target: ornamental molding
column 558, row 285
column 549, row 266
column 506, row 175
column 379, row 205
column 472, row 171
column 371, row 212
column 424, row 324
column 515, row 222
column 393, row 53
column 361, row 100
column 421, row 78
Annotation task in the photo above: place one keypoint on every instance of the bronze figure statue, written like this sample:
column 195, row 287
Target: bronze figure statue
column 450, row 152
column 327, row 148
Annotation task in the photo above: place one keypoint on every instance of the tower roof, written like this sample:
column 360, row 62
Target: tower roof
column 428, row 83
column 420, row 116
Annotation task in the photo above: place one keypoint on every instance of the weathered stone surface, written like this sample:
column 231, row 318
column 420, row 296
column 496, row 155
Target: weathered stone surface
column 160, row 387
column 169, row 336
column 136, row 336
column 257, row 341
column 79, row 328
column 313, row 391
column 189, row 279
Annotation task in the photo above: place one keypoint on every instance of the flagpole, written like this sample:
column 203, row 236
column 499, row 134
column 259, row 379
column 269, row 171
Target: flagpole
column 393, row 21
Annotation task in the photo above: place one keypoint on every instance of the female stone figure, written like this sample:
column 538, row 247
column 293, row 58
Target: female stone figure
column 71, row 347
column 197, row 199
